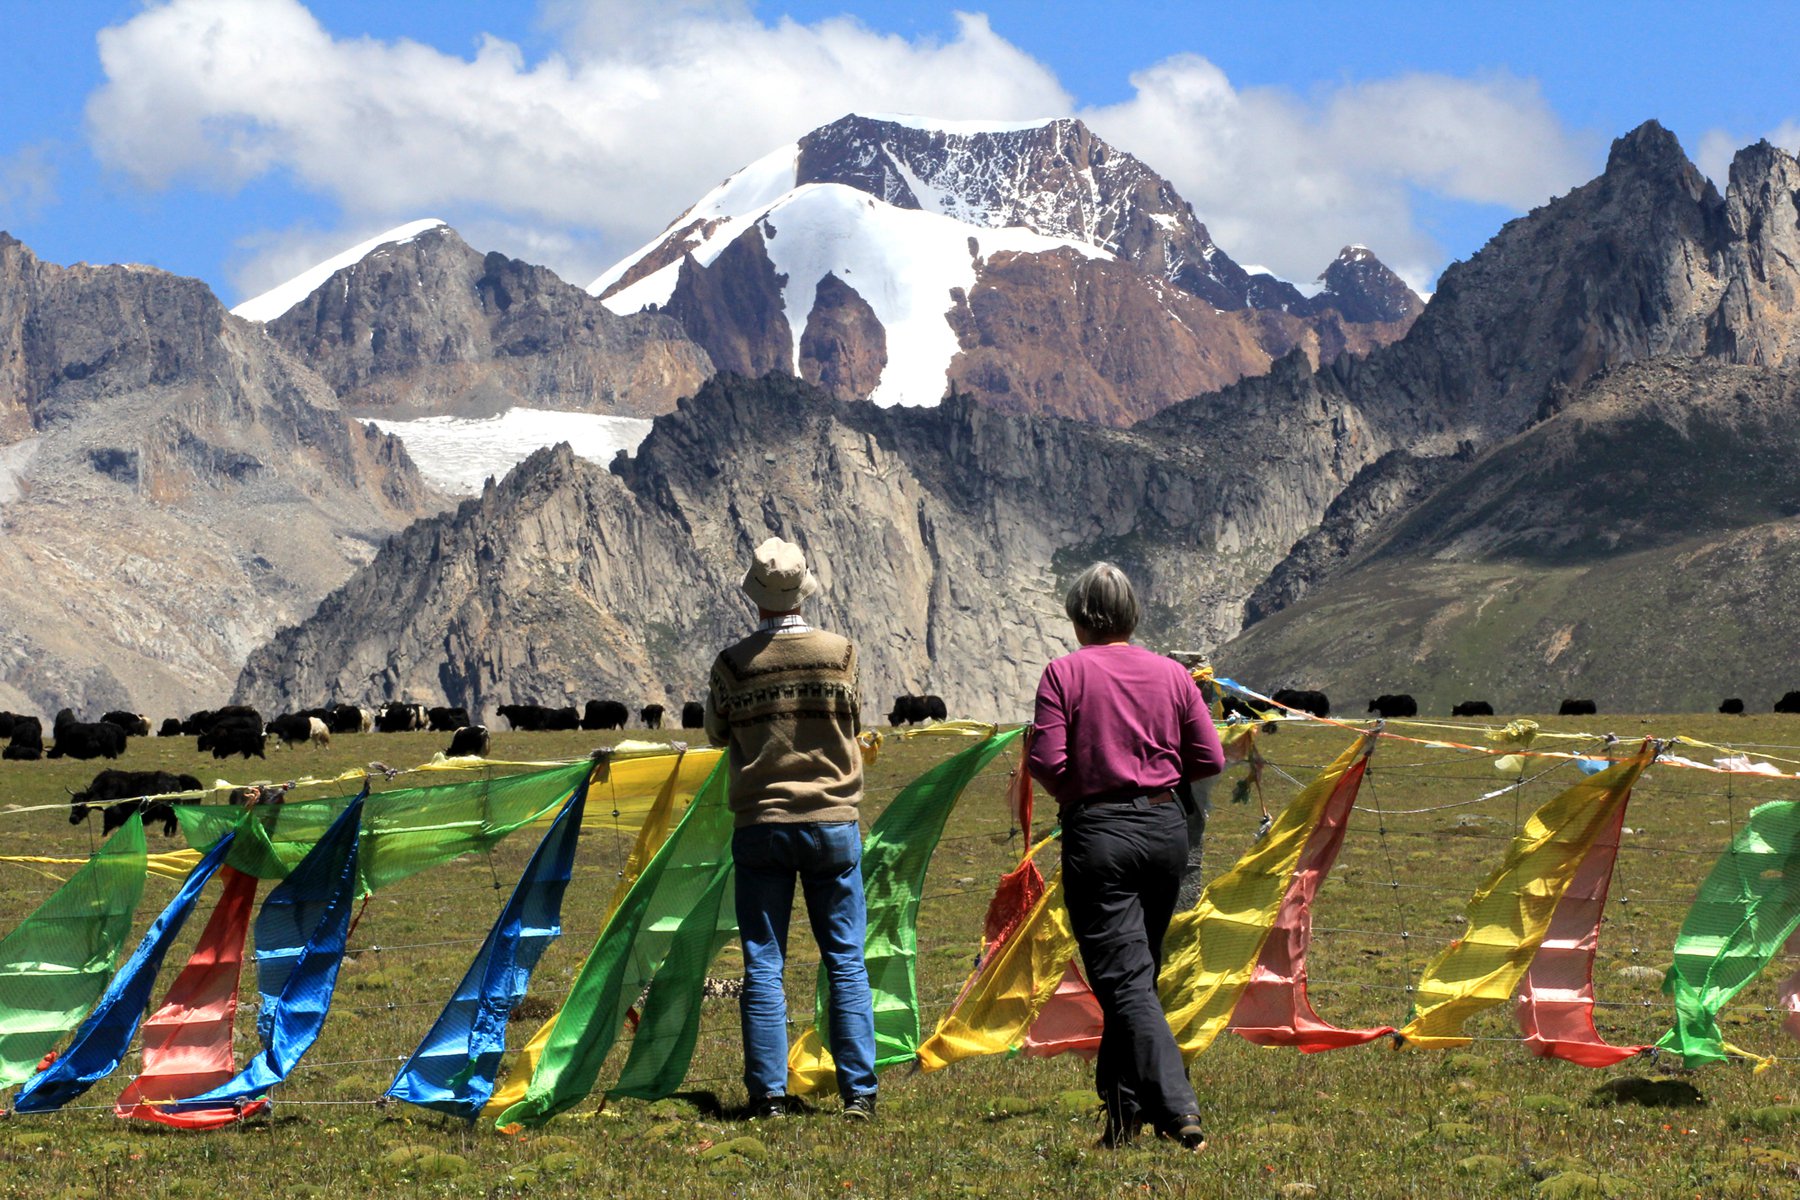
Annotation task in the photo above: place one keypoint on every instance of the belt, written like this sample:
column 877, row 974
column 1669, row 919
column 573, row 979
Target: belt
column 1135, row 799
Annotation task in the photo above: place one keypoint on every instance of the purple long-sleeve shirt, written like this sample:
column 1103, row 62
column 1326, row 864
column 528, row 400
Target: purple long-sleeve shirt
column 1114, row 719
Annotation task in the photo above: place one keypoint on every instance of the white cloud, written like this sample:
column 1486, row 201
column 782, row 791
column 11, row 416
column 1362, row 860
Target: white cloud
column 1718, row 147
column 27, row 184
column 582, row 155
column 636, row 116
column 1289, row 181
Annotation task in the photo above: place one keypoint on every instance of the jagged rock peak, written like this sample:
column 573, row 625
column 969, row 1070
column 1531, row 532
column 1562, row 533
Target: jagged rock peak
column 1362, row 288
column 429, row 324
column 1650, row 144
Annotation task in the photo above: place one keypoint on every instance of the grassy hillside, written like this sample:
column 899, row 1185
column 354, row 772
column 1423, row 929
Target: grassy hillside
column 1366, row 1122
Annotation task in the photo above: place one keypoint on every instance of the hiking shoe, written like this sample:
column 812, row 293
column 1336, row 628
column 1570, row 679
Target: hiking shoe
column 1185, row 1131
column 764, row 1107
column 860, row 1108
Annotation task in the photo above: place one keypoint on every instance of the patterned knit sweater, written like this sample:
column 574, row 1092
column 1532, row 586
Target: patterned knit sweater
column 785, row 705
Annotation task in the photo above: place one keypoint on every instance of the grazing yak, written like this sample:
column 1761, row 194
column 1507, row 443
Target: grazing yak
column 1733, row 707
column 1577, row 708
column 446, row 720
column 294, row 728
column 27, row 744
column 1316, row 703
column 1789, row 703
column 603, row 714
column 171, row 727
column 1236, row 706
column 234, row 735
column 907, row 710
column 914, row 710
column 1473, row 708
column 124, row 792
column 1400, row 705
column 85, row 739
column 469, row 742
column 396, row 717
column 651, row 715
column 693, row 715
column 134, row 724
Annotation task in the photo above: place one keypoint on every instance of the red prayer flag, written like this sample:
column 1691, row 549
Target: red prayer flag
column 1555, row 1004
column 187, row 1042
column 1274, row 1009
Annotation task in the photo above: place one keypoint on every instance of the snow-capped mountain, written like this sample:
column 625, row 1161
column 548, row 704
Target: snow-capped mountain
column 283, row 296
column 889, row 258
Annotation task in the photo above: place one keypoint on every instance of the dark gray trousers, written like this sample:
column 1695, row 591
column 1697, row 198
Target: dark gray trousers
column 1122, row 868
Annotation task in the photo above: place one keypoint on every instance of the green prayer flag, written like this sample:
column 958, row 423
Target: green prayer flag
column 55, row 965
column 405, row 831
column 1748, row 906
column 666, row 907
column 663, row 1046
column 895, row 855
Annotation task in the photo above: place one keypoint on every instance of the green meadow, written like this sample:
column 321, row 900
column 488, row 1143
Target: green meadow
column 1489, row 1120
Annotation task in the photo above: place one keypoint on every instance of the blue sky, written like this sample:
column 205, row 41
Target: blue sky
column 239, row 140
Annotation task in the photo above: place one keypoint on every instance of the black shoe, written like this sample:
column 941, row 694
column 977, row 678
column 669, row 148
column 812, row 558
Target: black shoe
column 1184, row 1130
column 764, row 1107
column 860, row 1108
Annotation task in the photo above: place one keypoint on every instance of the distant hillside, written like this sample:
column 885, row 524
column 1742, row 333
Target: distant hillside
column 1641, row 547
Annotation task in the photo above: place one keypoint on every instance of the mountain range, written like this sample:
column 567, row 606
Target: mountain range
column 1626, row 343
column 957, row 362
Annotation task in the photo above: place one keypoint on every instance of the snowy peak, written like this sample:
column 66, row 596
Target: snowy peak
column 279, row 299
column 1054, row 178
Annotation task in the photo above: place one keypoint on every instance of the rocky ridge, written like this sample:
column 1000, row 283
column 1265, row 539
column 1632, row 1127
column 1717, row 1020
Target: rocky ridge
column 177, row 486
column 430, row 325
column 1646, row 261
column 942, row 537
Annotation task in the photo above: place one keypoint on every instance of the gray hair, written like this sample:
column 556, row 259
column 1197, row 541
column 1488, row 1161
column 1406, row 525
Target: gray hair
column 1101, row 601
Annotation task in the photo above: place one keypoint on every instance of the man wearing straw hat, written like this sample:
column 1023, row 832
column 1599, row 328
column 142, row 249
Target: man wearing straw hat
column 784, row 703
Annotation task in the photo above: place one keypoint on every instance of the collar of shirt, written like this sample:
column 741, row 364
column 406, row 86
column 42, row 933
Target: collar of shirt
column 785, row 623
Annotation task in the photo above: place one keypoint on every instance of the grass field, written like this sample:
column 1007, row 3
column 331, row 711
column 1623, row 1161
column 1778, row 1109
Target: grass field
column 1365, row 1122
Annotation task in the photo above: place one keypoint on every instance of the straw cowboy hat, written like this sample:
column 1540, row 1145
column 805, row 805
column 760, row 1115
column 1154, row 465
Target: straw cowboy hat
column 778, row 579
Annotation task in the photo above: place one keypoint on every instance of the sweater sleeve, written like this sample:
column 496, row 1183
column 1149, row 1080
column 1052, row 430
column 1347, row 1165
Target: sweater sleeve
column 718, row 729
column 1201, row 754
column 1048, row 760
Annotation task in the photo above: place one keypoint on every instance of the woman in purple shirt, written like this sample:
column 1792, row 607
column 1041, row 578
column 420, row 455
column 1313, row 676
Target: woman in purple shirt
column 1118, row 729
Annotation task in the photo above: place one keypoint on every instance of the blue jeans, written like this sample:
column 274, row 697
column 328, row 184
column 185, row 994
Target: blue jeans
column 827, row 859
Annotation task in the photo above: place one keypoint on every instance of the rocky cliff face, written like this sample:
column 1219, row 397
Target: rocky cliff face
column 175, row 487
column 942, row 537
column 430, row 325
column 1646, row 261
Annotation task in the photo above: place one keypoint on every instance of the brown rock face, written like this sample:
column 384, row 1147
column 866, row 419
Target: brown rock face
column 1091, row 339
column 732, row 308
column 844, row 347
column 1758, row 320
column 431, row 326
column 182, row 487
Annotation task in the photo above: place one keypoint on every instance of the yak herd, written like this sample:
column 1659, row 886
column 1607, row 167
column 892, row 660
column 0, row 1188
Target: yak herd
column 242, row 730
